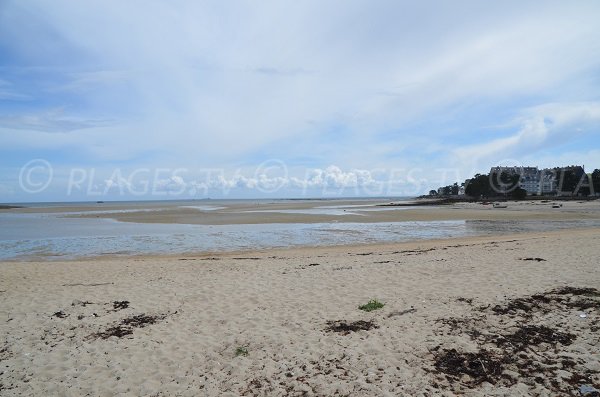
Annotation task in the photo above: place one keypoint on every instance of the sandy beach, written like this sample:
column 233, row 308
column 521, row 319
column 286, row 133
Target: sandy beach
column 512, row 315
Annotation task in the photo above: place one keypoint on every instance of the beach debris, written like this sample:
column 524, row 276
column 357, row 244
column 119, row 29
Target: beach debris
column 127, row 325
column 590, row 292
column 582, row 315
column 568, row 297
column 530, row 335
column 343, row 268
column 415, row 251
column 86, row 285
column 533, row 259
column 402, row 312
column 465, row 300
column 373, row 304
column 482, row 366
column 142, row 320
column 60, row 314
column 120, row 305
column 531, row 346
column 119, row 331
column 345, row 328
column 303, row 267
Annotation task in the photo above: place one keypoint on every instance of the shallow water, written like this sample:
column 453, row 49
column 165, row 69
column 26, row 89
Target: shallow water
column 51, row 236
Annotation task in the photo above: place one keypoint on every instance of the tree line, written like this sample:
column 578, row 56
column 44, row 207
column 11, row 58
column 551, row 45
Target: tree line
column 568, row 181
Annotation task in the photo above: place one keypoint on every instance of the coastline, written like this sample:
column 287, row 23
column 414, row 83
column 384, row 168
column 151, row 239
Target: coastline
column 415, row 244
column 186, row 316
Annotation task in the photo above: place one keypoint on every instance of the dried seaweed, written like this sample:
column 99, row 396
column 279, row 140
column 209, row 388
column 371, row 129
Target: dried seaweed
column 482, row 366
column 345, row 328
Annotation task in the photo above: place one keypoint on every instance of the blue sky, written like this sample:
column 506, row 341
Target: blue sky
column 287, row 98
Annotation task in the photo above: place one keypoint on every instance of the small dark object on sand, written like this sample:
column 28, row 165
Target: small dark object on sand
column 118, row 305
column 534, row 259
column 402, row 312
column 345, row 328
column 60, row 314
column 465, row 300
column 119, row 331
column 81, row 303
column 141, row 320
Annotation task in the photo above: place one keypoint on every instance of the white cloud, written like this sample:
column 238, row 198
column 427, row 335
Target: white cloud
column 540, row 127
column 54, row 120
column 218, row 84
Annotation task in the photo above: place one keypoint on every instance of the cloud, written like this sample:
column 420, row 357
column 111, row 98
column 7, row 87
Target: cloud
column 351, row 83
column 51, row 121
column 541, row 127
column 331, row 179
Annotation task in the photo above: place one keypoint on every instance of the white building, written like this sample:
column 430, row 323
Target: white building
column 533, row 180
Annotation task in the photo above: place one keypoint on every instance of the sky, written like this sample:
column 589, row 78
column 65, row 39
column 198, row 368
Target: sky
column 148, row 99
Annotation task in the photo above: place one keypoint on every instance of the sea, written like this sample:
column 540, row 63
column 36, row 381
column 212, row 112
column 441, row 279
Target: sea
column 51, row 234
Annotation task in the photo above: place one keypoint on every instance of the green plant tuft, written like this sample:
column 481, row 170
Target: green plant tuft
column 373, row 304
column 241, row 351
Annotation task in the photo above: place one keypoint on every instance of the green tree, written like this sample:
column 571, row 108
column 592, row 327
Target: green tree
column 478, row 186
column 568, row 179
column 596, row 181
column 505, row 182
column 519, row 194
column 454, row 189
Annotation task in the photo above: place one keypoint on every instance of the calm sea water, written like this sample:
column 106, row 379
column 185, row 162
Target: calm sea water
column 52, row 236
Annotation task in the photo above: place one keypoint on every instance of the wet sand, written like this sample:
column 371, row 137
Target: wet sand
column 322, row 211
column 483, row 316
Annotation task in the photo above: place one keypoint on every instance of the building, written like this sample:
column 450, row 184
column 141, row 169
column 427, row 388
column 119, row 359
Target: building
column 547, row 182
column 535, row 181
column 530, row 179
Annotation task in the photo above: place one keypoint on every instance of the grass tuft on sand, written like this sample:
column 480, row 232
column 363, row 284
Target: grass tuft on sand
column 241, row 351
column 373, row 304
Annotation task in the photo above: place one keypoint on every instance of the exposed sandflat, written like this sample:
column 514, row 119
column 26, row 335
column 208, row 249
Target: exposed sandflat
column 362, row 211
column 277, row 304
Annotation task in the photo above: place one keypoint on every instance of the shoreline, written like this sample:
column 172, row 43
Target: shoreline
column 223, row 255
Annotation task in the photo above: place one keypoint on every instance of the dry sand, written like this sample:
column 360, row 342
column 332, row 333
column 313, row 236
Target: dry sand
column 185, row 317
